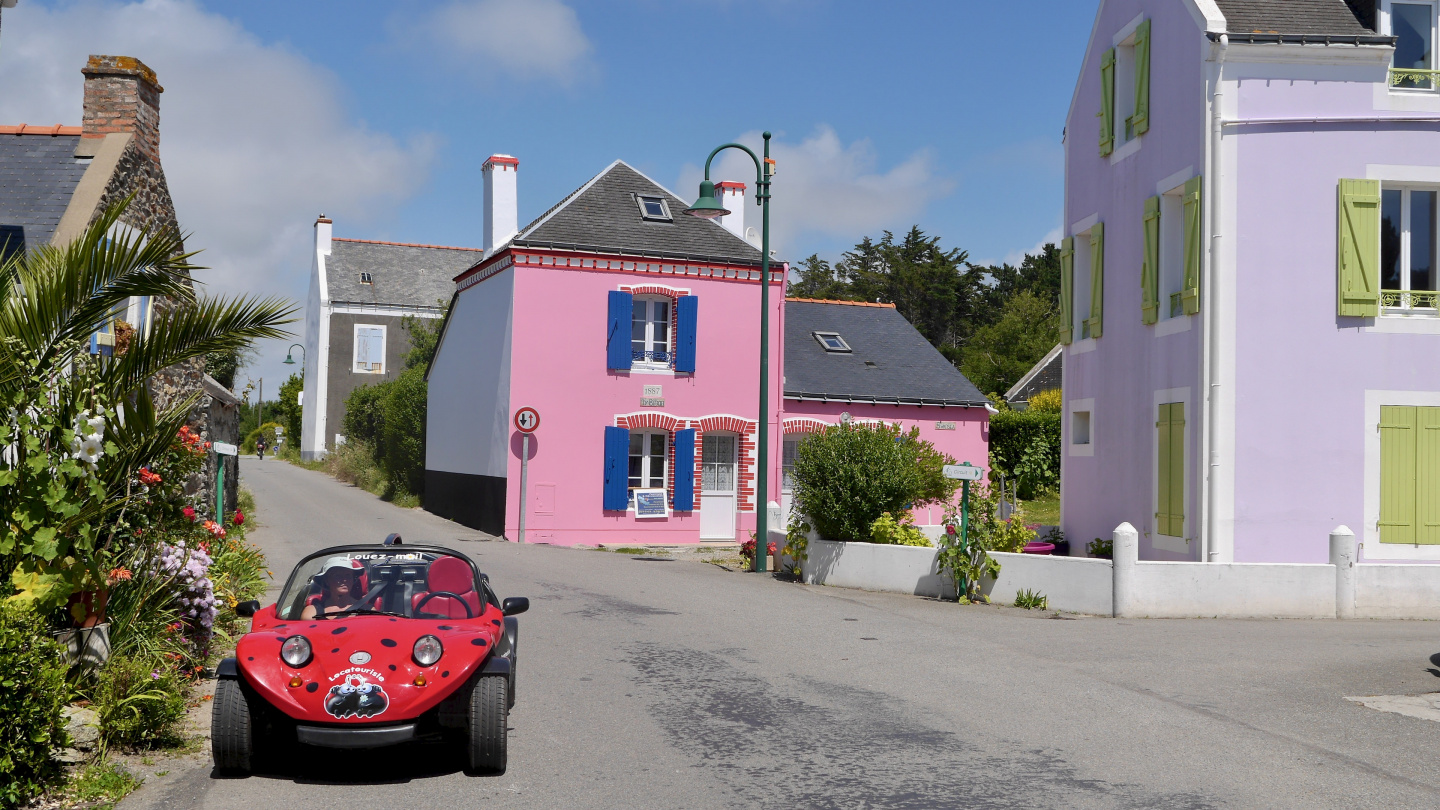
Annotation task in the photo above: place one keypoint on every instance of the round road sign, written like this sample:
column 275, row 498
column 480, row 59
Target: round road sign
column 526, row 420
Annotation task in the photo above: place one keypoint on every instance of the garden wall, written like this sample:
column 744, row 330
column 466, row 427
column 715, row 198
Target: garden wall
column 872, row 567
column 1071, row 584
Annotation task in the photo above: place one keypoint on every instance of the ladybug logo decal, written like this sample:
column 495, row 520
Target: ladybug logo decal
column 356, row 697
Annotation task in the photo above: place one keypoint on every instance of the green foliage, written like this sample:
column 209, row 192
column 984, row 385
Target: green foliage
column 138, row 700
column 967, row 561
column 402, row 444
column 266, row 430
column 354, row 463
column 365, row 414
column 287, row 410
column 238, row 572
column 223, row 365
column 32, row 695
column 847, row 476
column 1048, row 401
column 100, row 784
column 1100, row 547
column 424, row 336
column 998, row 354
column 886, row 530
column 1025, row 445
column 1030, row 600
column 815, row 278
column 797, row 541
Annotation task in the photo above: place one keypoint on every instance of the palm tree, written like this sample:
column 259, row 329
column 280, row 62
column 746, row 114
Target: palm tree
column 75, row 427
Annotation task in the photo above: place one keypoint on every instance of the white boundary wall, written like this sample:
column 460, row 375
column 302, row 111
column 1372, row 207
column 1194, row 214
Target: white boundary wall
column 1071, row 584
column 871, row 567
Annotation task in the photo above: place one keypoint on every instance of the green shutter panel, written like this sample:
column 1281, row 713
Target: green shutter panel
column 1150, row 263
column 1067, row 289
column 1397, row 474
column 1107, row 102
column 1194, row 246
column 1096, row 322
column 1427, row 476
column 1170, row 470
column 1162, row 471
column 1141, row 119
column 1358, row 255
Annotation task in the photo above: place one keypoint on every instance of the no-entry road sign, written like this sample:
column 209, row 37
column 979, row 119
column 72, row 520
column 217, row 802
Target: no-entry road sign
column 526, row 420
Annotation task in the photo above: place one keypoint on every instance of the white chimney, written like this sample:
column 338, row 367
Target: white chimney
column 322, row 234
column 732, row 196
column 502, row 213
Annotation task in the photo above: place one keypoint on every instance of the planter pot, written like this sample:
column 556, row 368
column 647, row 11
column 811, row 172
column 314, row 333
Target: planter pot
column 89, row 646
column 1062, row 549
column 1039, row 548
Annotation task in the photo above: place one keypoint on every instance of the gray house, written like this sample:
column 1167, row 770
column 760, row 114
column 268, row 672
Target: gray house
column 360, row 291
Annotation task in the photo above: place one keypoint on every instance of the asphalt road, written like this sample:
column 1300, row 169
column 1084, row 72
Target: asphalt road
column 648, row 684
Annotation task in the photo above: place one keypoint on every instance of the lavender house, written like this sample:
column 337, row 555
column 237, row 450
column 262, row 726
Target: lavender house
column 1250, row 279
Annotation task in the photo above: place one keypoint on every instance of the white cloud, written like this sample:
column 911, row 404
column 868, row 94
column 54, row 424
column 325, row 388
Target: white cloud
column 825, row 187
column 1015, row 257
column 254, row 140
column 526, row 38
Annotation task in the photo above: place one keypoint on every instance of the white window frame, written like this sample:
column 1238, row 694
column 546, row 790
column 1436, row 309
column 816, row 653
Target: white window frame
column 1411, row 311
column 645, row 470
column 820, row 337
column 139, row 312
column 664, row 208
column 1164, row 542
column 646, row 300
column 1386, row 26
column 1124, row 43
column 1080, row 288
column 355, row 347
column 1076, row 407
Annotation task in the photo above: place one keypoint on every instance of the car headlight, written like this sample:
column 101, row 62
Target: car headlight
column 428, row 650
column 296, row 651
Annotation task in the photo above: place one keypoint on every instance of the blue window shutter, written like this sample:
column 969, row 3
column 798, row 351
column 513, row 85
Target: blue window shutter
column 617, row 337
column 684, row 499
column 686, row 307
column 617, row 465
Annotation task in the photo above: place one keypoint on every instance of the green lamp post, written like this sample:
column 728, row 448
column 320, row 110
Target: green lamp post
column 289, row 355
column 708, row 207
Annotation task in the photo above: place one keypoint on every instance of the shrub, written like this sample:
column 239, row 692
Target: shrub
column 402, row 455
column 1048, row 401
column 968, row 563
column 138, row 701
column 1031, row 600
column 364, row 414
column 886, row 530
column 1025, row 445
column 32, row 695
column 354, row 463
column 267, row 430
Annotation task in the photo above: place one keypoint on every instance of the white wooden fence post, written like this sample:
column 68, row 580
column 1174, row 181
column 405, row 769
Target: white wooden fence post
column 1125, row 552
column 1342, row 556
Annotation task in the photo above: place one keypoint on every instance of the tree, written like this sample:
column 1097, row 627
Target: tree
column 999, row 354
column 817, row 279
column 424, row 337
column 288, row 410
column 224, row 365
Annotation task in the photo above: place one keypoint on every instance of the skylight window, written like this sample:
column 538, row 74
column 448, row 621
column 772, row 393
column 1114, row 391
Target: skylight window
column 365, row 279
column 831, row 341
column 654, row 209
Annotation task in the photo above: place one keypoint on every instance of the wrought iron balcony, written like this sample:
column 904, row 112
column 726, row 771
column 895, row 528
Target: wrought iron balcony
column 1414, row 78
column 654, row 358
column 1409, row 299
column 1177, row 305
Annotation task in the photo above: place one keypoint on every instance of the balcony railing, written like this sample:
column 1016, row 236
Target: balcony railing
column 653, row 358
column 1409, row 299
column 1177, row 305
column 1414, row 78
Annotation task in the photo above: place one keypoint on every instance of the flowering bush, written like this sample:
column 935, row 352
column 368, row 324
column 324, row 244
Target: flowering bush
column 747, row 550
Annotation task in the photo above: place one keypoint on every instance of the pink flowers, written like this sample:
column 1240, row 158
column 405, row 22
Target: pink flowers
column 214, row 528
column 148, row 478
column 189, row 513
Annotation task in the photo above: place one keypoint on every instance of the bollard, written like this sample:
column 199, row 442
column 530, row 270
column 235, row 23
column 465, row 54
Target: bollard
column 1124, row 554
column 1342, row 556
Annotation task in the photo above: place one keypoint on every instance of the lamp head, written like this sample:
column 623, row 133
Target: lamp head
column 289, row 360
column 707, row 207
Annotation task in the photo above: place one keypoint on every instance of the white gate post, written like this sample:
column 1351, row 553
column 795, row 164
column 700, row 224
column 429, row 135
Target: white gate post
column 1342, row 556
column 1125, row 552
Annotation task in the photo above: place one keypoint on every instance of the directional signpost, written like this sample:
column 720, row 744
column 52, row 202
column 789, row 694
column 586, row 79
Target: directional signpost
column 221, row 449
column 965, row 473
column 526, row 421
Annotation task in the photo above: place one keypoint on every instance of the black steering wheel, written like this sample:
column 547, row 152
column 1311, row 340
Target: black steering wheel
column 469, row 614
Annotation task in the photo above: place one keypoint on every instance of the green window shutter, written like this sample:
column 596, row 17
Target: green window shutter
column 1358, row 254
column 1397, row 474
column 1427, row 476
column 1194, row 245
column 1107, row 102
column 1170, row 470
column 1096, row 322
column 1141, row 119
column 1150, row 263
column 1067, row 289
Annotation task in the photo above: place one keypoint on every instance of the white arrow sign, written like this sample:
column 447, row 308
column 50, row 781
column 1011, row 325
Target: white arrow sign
column 224, row 449
column 963, row 472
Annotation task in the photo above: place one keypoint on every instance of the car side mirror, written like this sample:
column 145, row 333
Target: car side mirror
column 249, row 608
column 515, row 604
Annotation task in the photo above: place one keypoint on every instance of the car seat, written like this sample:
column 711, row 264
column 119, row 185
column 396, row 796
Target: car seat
column 453, row 575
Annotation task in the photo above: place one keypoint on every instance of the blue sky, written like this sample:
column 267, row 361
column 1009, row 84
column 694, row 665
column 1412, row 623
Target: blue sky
column 945, row 114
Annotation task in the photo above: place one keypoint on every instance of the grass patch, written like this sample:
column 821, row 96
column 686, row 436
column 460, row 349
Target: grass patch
column 1044, row 510
column 628, row 550
column 99, row 785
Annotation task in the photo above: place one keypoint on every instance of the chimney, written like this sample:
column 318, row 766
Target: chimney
column 732, row 196
column 122, row 95
column 502, row 215
column 323, row 228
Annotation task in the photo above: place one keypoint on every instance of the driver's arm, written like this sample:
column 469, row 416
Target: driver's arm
column 308, row 612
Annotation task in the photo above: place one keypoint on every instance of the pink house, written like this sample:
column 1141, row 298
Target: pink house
column 631, row 329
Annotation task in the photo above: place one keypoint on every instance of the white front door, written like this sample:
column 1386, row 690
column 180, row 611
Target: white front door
column 717, row 487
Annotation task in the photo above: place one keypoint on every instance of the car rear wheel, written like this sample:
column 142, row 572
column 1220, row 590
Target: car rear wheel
column 489, row 719
column 232, row 732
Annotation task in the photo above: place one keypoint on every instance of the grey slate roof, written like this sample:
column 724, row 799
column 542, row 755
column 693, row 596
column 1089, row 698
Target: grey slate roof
column 1047, row 373
column 38, row 175
column 1318, row 17
column 402, row 275
column 602, row 215
column 906, row 367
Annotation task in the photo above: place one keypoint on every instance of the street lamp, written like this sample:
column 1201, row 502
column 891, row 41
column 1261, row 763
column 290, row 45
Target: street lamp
column 289, row 359
column 707, row 207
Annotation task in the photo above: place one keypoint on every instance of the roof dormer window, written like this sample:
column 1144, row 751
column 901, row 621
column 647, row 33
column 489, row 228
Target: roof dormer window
column 832, row 342
column 654, row 209
column 366, row 279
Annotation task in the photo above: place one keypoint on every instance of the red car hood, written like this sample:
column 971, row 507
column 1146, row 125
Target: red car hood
column 362, row 670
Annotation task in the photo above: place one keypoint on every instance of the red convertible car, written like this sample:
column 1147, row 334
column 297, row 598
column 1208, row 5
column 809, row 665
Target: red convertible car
column 372, row 645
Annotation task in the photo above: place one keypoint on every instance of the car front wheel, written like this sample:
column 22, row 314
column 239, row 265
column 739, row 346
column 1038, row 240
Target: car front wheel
column 232, row 732
column 489, row 718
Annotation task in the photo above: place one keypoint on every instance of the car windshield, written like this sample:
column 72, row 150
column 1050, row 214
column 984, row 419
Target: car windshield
column 411, row 584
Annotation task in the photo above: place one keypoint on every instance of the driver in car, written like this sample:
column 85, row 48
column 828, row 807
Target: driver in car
column 339, row 587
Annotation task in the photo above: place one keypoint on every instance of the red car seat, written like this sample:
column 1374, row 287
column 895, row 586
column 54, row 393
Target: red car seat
column 453, row 575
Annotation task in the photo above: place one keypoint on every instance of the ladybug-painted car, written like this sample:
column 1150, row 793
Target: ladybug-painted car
column 372, row 645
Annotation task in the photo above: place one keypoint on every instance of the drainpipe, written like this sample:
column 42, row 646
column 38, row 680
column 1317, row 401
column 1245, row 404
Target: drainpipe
column 1208, row 540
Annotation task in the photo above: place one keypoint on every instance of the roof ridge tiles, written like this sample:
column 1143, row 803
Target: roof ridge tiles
column 34, row 129
column 833, row 301
column 400, row 244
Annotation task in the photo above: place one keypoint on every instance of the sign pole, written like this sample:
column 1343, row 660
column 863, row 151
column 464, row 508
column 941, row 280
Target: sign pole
column 524, row 479
column 220, row 489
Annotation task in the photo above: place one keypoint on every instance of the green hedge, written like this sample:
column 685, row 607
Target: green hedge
column 390, row 419
column 32, row 695
column 1026, row 445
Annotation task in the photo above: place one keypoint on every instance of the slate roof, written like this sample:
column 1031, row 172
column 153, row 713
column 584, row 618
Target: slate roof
column 1314, row 17
column 402, row 274
column 906, row 368
column 38, row 175
column 602, row 215
column 1048, row 373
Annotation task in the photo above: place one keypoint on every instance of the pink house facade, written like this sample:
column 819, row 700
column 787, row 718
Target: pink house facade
column 631, row 329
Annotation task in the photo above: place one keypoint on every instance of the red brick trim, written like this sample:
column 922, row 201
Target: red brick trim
column 803, row 425
column 404, row 244
column 846, row 303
